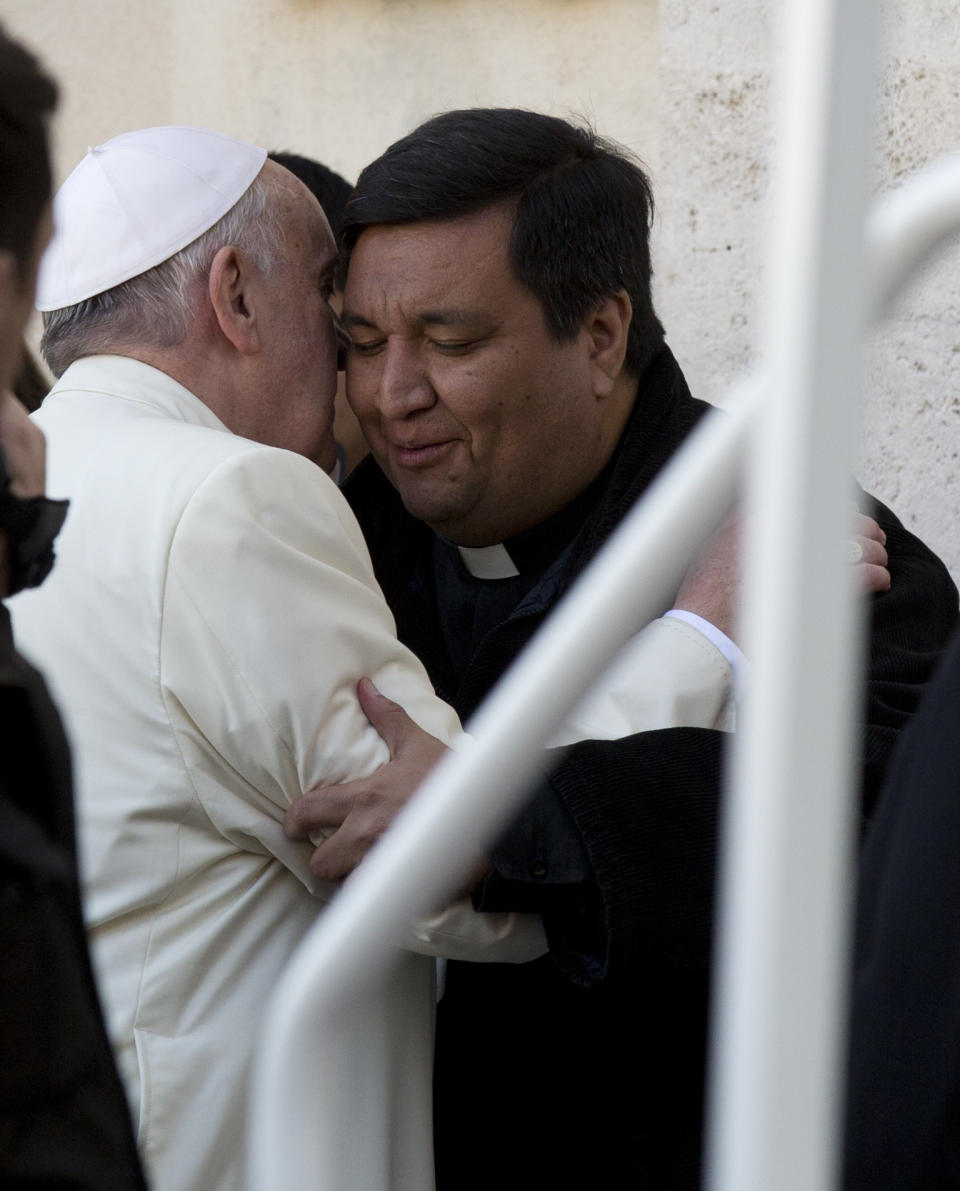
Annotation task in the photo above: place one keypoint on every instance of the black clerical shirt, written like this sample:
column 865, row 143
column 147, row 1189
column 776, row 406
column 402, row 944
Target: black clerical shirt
column 541, row 854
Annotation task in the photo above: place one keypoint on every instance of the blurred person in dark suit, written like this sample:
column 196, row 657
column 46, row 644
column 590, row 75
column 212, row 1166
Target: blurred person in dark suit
column 903, row 1112
column 64, row 1121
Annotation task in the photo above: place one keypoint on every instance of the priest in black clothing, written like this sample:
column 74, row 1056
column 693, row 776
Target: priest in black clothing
column 512, row 379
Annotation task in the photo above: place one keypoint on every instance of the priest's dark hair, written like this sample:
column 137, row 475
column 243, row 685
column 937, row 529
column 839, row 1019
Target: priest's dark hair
column 582, row 208
column 27, row 99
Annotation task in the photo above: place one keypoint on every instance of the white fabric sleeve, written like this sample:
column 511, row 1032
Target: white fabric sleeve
column 727, row 646
column 667, row 676
column 271, row 615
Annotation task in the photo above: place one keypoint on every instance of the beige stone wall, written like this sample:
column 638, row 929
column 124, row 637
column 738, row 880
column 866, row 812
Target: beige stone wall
column 911, row 440
column 717, row 83
column 685, row 83
column 338, row 79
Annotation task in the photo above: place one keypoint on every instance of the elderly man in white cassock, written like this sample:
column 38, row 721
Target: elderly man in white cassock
column 212, row 610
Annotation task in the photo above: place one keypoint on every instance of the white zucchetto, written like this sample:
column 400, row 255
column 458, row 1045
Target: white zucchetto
column 134, row 202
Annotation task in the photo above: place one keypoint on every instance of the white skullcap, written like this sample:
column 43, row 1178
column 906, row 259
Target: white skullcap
column 135, row 202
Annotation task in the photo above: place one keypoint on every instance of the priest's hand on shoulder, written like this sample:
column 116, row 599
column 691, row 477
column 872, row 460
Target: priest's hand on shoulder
column 354, row 815
column 868, row 552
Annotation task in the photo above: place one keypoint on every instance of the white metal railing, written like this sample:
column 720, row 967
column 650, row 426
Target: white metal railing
column 780, row 1005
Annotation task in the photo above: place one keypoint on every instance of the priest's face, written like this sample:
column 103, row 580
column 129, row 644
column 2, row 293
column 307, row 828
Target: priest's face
column 484, row 423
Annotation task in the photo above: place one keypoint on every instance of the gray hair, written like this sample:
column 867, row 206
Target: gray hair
column 156, row 308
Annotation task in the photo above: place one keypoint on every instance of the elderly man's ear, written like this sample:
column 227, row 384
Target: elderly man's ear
column 234, row 296
column 607, row 327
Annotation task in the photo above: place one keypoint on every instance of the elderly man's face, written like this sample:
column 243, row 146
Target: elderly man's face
column 299, row 339
column 482, row 421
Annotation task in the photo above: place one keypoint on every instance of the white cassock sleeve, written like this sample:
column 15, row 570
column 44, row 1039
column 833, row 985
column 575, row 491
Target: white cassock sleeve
column 271, row 615
column 667, row 676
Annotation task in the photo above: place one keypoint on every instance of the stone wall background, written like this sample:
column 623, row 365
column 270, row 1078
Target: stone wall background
column 687, row 84
column 717, row 80
column 338, row 79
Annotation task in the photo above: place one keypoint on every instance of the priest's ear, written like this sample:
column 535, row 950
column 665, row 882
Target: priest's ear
column 607, row 327
column 234, row 296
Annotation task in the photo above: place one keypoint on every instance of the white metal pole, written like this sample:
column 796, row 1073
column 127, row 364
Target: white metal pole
column 784, row 910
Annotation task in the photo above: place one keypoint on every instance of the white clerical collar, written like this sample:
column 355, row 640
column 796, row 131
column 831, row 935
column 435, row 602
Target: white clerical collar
column 488, row 562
